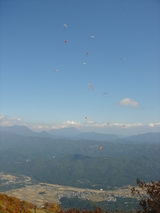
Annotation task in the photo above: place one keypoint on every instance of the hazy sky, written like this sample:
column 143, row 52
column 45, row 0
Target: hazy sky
column 123, row 60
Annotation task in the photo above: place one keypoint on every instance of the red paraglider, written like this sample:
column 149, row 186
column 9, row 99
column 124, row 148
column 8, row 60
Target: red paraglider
column 100, row 148
column 91, row 86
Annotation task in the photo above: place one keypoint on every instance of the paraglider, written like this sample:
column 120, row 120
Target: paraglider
column 107, row 124
column 65, row 41
column 65, row 25
column 91, row 86
column 124, row 126
column 84, row 63
column 86, row 53
column 123, row 59
column 100, row 148
column 56, row 70
column 91, row 37
column 105, row 93
column 86, row 117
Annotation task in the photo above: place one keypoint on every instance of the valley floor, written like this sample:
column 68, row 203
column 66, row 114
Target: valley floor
column 24, row 188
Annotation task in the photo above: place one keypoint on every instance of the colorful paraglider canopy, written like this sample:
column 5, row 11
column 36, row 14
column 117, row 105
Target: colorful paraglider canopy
column 86, row 117
column 91, row 86
column 65, row 41
column 100, row 148
column 86, row 53
column 65, row 25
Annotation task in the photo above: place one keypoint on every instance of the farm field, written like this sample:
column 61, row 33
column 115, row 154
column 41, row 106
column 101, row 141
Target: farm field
column 40, row 193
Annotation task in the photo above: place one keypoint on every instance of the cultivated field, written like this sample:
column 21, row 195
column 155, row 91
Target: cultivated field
column 40, row 193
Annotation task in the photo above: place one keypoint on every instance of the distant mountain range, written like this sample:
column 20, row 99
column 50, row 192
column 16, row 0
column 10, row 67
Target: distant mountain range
column 147, row 137
column 25, row 131
column 73, row 133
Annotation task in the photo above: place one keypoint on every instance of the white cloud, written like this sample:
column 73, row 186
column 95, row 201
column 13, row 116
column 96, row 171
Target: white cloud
column 70, row 123
column 127, row 125
column 153, row 124
column 101, row 125
column 116, row 124
column 135, row 125
column 129, row 102
column 3, row 121
column 2, row 117
column 90, row 122
column 7, row 121
column 65, row 125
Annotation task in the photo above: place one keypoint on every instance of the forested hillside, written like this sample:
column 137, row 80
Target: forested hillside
column 35, row 147
column 80, row 163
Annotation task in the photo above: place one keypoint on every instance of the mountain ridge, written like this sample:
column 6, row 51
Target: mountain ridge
column 75, row 134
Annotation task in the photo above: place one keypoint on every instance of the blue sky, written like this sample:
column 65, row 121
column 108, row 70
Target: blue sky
column 33, row 46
